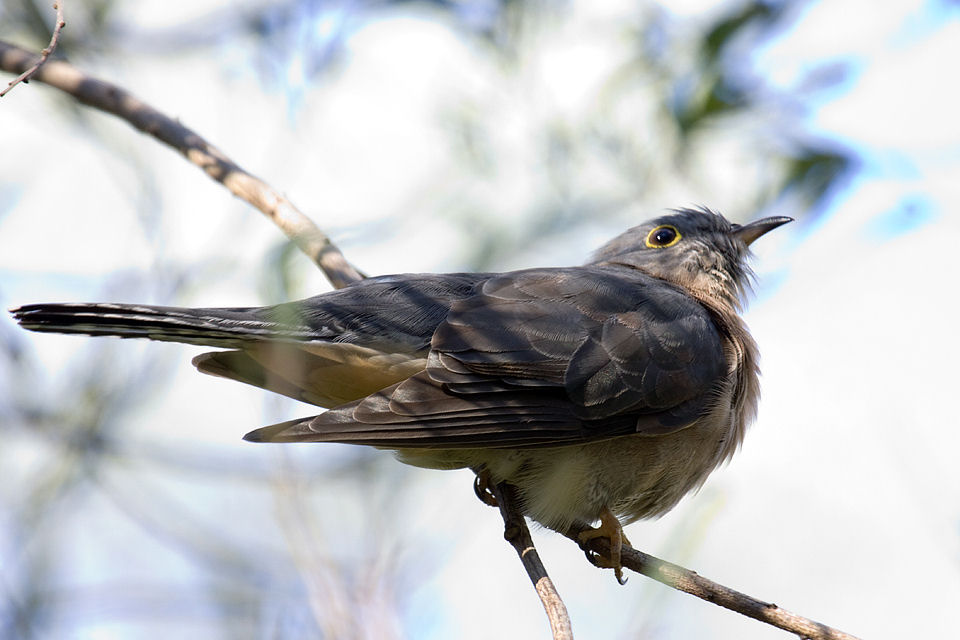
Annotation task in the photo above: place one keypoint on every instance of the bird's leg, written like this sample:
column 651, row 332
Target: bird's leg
column 481, row 487
column 611, row 529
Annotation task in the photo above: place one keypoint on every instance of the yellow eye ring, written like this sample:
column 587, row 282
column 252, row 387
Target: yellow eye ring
column 666, row 235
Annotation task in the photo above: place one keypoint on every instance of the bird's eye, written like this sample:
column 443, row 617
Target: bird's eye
column 666, row 235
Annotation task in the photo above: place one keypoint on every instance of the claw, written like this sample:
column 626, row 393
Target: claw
column 481, row 487
column 611, row 529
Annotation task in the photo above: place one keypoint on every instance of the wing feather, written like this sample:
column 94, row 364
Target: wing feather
column 543, row 357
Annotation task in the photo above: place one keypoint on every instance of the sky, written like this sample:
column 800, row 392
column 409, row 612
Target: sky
column 846, row 495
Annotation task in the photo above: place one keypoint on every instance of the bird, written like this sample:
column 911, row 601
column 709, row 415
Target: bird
column 601, row 393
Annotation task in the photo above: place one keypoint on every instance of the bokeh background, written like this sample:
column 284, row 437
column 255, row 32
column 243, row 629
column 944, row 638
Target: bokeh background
column 453, row 135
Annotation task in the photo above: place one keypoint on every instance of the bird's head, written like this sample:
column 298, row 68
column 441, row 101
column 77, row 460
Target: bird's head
column 697, row 249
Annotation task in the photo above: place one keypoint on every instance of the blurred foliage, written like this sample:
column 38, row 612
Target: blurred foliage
column 31, row 22
column 717, row 87
column 680, row 88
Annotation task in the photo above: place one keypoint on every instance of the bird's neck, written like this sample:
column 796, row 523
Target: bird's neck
column 743, row 369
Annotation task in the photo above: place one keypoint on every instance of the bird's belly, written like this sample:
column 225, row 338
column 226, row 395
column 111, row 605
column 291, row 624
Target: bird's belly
column 635, row 476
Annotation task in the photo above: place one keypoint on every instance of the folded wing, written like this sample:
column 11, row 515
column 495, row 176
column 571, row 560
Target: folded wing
column 543, row 357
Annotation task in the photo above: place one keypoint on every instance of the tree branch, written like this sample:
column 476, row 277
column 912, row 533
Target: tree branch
column 54, row 40
column 690, row 582
column 515, row 532
column 112, row 99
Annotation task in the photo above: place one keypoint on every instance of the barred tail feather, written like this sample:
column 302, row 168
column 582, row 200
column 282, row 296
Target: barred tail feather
column 207, row 327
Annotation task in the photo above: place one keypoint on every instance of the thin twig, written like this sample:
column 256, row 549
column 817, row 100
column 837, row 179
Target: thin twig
column 690, row 582
column 515, row 532
column 54, row 40
column 112, row 99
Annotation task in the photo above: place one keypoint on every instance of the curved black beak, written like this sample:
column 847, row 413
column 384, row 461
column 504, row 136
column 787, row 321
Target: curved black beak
column 750, row 232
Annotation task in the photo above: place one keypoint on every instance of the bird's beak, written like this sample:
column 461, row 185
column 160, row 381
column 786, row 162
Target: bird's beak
column 750, row 232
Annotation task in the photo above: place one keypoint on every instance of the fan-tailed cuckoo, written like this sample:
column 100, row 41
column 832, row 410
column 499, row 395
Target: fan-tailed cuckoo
column 604, row 392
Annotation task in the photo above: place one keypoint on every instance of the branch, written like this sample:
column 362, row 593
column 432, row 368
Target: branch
column 515, row 532
column 54, row 40
column 690, row 582
column 112, row 99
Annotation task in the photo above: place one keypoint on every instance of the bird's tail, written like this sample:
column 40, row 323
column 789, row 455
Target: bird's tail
column 229, row 328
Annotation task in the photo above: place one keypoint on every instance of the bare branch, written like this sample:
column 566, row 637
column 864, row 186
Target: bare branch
column 112, row 99
column 690, row 582
column 515, row 532
column 54, row 39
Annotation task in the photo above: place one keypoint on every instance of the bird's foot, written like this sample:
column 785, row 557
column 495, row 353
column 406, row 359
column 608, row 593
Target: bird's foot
column 481, row 487
column 611, row 529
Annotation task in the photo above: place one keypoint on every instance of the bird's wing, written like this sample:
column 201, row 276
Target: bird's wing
column 541, row 358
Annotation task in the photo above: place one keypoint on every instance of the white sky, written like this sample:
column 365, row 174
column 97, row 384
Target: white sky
column 846, row 493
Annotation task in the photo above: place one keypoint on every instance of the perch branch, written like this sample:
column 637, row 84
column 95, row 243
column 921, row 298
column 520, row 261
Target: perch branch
column 54, row 39
column 112, row 99
column 515, row 532
column 690, row 582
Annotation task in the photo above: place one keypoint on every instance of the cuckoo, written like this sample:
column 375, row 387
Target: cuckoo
column 602, row 393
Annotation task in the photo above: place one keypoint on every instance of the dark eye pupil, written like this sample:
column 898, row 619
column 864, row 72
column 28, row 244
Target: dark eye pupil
column 664, row 236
